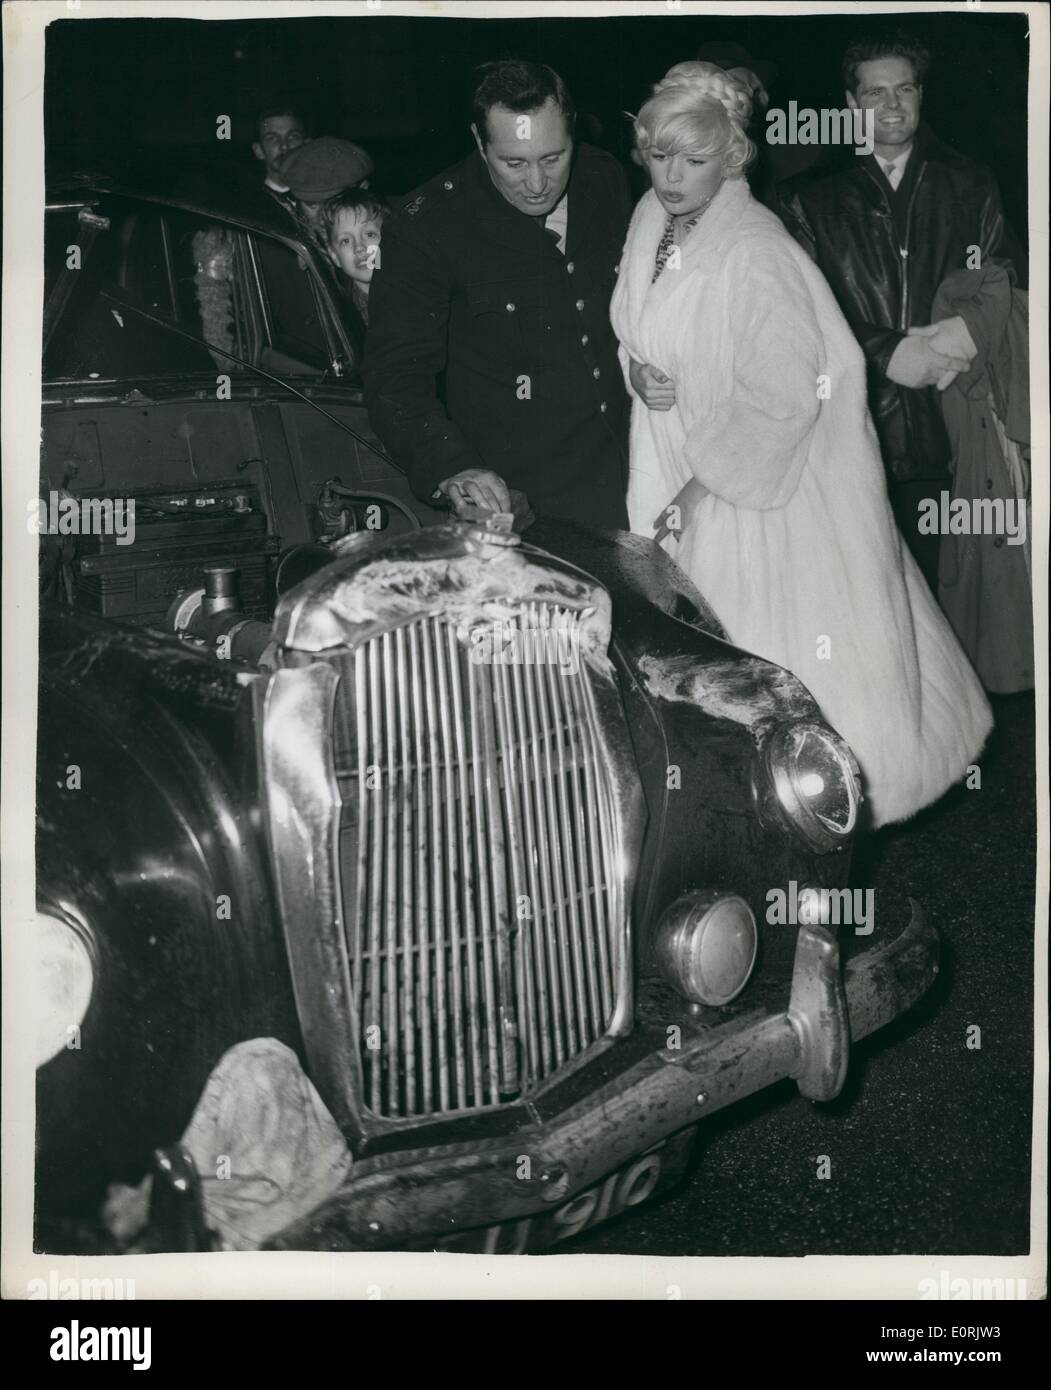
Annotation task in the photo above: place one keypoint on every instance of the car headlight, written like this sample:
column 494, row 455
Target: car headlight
column 817, row 782
column 65, row 979
column 706, row 945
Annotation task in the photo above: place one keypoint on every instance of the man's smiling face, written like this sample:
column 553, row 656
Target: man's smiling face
column 888, row 88
column 528, row 155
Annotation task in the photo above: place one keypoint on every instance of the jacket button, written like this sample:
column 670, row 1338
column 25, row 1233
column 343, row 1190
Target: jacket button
column 602, row 407
column 570, row 267
column 596, row 374
column 447, row 184
column 584, row 340
column 580, row 306
column 510, row 308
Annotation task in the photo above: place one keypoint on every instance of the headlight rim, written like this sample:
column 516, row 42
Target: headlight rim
column 65, row 915
column 678, row 927
column 794, row 808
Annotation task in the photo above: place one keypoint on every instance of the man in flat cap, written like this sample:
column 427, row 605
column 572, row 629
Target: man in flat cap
column 496, row 277
column 318, row 170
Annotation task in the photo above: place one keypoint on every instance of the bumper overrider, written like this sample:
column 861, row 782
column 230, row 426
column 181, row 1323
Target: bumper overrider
column 423, row 1197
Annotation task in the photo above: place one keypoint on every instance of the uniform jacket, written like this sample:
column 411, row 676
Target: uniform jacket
column 474, row 292
column 794, row 544
column 884, row 270
column 985, row 587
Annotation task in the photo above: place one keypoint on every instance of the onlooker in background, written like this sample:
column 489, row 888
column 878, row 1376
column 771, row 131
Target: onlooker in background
column 354, row 224
column 886, row 229
column 279, row 131
column 496, row 280
column 317, row 171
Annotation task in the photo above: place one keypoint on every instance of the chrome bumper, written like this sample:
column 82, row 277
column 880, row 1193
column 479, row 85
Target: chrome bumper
column 394, row 1200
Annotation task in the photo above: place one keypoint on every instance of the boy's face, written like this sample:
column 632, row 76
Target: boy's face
column 353, row 244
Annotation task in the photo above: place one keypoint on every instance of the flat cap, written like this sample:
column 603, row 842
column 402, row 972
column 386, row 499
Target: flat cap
column 319, row 169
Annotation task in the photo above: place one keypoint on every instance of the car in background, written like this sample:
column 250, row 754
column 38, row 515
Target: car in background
column 199, row 350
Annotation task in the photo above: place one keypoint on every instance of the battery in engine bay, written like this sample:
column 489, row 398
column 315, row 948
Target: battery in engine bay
column 176, row 534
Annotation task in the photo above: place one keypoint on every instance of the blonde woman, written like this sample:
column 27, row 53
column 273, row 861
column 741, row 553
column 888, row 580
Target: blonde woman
column 755, row 462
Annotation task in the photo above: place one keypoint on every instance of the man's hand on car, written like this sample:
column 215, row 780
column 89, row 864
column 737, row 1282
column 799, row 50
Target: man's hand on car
column 916, row 363
column 477, row 487
column 656, row 390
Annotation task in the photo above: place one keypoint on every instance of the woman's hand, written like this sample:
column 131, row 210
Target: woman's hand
column 677, row 515
column 652, row 386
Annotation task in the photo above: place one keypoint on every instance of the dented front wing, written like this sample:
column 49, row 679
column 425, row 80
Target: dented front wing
column 401, row 1200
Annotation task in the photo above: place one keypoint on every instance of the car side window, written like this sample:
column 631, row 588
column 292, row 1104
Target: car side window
column 211, row 294
column 297, row 341
column 207, row 260
column 144, row 267
column 113, row 319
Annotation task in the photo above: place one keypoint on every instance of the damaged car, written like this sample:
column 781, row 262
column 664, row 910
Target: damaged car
column 436, row 849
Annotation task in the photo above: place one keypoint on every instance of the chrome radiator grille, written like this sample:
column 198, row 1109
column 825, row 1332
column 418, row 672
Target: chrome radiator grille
column 478, row 868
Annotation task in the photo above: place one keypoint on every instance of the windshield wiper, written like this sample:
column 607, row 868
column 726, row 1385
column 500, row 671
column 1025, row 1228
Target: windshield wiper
column 250, row 366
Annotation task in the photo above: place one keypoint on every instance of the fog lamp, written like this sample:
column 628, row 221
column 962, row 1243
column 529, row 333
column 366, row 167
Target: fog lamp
column 65, row 978
column 705, row 946
column 816, row 778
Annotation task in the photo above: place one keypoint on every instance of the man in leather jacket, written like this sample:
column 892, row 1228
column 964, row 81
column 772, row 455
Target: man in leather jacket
column 490, row 364
column 885, row 229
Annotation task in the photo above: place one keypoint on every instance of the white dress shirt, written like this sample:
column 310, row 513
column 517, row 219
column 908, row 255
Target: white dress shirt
column 895, row 168
column 557, row 220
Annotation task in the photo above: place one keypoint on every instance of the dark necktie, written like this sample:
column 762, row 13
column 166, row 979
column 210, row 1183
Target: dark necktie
column 285, row 199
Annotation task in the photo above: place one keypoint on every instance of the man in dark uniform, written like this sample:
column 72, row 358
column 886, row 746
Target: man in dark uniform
column 498, row 274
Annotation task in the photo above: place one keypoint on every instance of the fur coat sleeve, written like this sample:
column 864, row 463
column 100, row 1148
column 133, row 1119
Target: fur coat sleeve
column 750, row 439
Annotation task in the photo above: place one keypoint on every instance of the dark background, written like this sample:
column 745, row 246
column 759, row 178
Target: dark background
column 120, row 90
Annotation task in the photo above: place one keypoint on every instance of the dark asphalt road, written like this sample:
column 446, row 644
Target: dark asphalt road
column 930, row 1141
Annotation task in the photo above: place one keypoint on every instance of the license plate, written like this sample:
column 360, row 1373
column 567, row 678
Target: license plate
column 646, row 1176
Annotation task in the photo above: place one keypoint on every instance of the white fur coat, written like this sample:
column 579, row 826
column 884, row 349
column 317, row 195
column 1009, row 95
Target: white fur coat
column 795, row 546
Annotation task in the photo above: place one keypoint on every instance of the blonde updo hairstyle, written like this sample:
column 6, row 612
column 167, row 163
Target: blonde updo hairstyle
column 699, row 109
